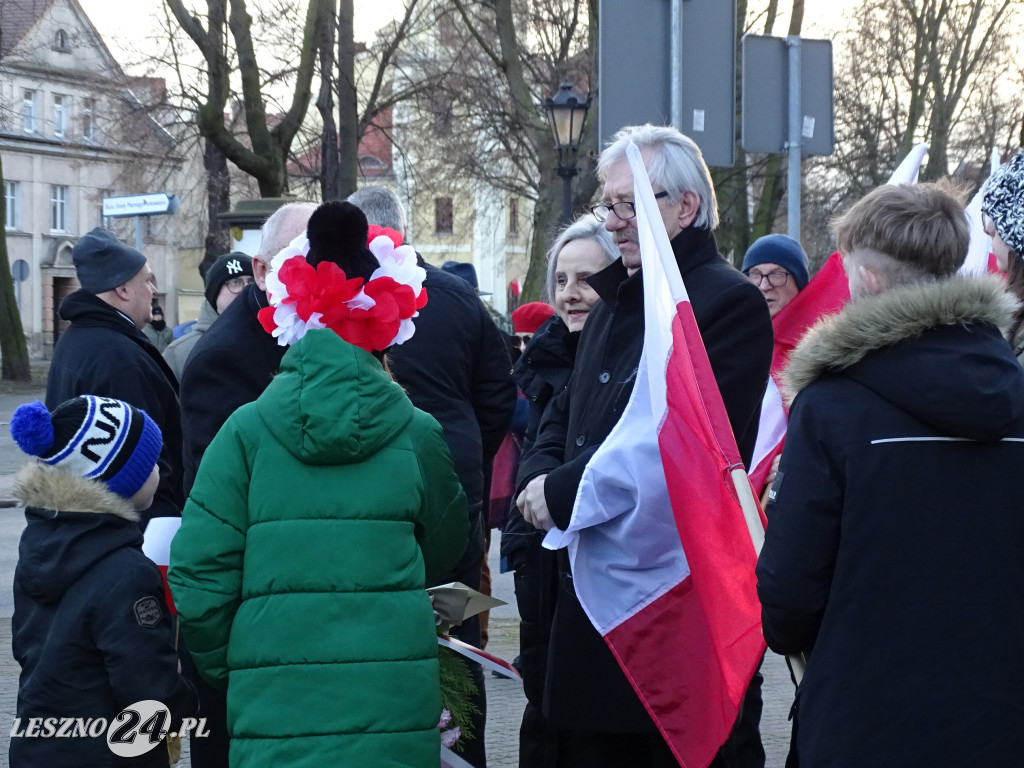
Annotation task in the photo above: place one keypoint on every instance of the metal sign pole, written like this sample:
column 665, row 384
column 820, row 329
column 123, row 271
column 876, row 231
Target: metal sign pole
column 793, row 145
column 676, row 47
column 138, row 234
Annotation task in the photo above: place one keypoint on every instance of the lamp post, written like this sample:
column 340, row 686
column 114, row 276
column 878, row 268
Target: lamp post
column 566, row 115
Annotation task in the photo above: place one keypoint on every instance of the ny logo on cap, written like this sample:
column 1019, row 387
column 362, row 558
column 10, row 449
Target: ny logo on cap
column 234, row 266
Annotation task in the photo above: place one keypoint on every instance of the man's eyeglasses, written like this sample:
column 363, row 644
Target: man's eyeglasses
column 235, row 284
column 776, row 278
column 624, row 209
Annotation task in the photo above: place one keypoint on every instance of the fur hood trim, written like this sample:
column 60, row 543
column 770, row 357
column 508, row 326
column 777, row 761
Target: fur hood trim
column 874, row 322
column 40, row 485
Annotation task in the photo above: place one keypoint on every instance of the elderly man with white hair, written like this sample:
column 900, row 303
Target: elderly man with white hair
column 600, row 720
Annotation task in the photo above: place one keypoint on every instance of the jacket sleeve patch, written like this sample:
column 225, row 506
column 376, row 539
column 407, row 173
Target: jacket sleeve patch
column 147, row 612
column 773, row 494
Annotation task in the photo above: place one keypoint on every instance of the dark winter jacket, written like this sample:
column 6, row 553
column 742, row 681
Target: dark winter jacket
column 230, row 366
column 541, row 373
column 895, row 542
column 586, row 689
column 543, row 370
column 456, row 368
column 103, row 353
column 299, row 571
column 90, row 630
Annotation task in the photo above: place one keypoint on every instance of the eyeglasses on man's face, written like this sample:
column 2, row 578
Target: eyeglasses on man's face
column 235, row 284
column 624, row 209
column 776, row 278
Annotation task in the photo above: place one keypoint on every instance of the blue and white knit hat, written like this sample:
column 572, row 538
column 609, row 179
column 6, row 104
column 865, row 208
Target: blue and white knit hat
column 99, row 438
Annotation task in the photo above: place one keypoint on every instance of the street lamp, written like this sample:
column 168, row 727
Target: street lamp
column 566, row 114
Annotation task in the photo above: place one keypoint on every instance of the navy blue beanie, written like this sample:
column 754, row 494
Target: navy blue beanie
column 103, row 262
column 782, row 250
column 98, row 438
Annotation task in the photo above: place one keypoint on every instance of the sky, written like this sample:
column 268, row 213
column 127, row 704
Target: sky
column 124, row 24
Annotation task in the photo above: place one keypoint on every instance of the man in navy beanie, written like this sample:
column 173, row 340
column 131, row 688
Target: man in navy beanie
column 104, row 351
column 777, row 265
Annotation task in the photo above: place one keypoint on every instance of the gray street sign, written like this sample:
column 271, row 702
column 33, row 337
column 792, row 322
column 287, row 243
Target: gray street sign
column 765, row 98
column 635, row 64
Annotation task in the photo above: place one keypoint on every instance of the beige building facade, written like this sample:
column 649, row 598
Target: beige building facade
column 72, row 132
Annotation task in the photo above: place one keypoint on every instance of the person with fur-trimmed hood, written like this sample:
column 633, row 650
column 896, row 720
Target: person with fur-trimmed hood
column 894, row 553
column 90, row 629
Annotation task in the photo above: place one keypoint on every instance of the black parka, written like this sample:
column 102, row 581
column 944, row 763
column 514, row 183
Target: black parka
column 456, row 368
column 90, row 630
column 586, row 689
column 894, row 552
column 103, row 353
column 230, row 365
column 542, row 372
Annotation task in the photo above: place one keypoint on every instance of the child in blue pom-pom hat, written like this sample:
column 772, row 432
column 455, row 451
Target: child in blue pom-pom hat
column 90, row 629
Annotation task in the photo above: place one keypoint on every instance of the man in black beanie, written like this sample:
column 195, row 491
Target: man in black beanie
column 104, row 352
column 226, row 279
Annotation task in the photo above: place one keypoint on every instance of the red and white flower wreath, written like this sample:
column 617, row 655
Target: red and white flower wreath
column 373, row 316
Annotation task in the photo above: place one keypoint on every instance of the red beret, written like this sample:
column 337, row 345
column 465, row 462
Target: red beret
column 529, row 317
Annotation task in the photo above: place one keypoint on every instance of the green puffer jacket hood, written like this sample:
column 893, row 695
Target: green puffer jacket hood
column 319, row 514
column 303, row 413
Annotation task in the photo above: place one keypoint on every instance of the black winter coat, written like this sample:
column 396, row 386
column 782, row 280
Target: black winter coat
column 895, row 542
column 230, row 365
column 90, row 630
column 103, row 353
column 456, row 368
column 586, row 689
column 542, row 372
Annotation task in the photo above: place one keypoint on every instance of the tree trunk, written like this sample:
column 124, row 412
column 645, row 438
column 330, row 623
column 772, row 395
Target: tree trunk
column 12, row 335
column 547, row 215
column 218, row 200
column 348, row 114
column 265, row 158
column 329, row 155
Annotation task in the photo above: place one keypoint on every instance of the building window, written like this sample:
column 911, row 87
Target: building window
column 88, row 107
column 59, row 116
column 60, row 41
column 443, row 215
column 58, row 208
column 11, row 199
column 28, row 111
column 513, row 217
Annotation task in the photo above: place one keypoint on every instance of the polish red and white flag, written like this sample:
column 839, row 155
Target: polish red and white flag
column 826, row 293
column 661, row 548
column 156, row 545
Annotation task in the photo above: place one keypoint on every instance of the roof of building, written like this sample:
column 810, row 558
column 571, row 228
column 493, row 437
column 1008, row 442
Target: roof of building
column 16, row 18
